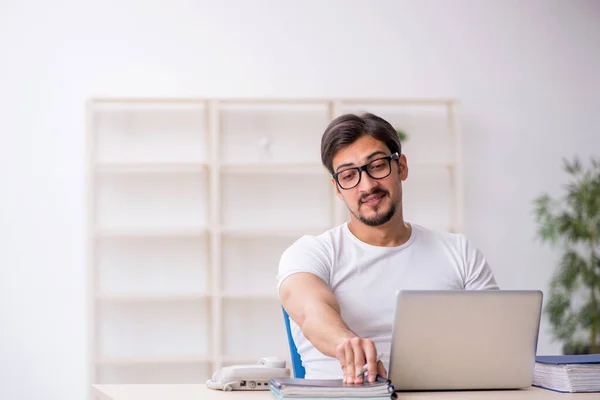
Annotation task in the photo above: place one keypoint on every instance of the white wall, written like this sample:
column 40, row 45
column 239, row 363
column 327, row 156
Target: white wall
column 527, row 73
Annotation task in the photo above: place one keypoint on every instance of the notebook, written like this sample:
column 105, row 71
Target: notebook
column 290, row 388
column 569, row 374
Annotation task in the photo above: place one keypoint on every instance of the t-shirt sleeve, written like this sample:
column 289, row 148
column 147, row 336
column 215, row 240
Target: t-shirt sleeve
column 478, row 274
column 307, row 254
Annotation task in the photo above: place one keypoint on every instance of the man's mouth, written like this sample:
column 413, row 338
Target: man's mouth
column 373, row 199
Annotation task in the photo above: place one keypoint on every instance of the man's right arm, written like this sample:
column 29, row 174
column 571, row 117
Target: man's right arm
column 309, row 301
column 312, row 305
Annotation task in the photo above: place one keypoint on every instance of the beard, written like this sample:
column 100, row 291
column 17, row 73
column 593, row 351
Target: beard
column 380, row 217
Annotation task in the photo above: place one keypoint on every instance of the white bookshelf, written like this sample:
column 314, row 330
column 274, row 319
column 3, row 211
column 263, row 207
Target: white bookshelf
column 192, row 202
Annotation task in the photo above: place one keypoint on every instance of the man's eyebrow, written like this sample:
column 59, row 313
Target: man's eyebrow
column 373, row 154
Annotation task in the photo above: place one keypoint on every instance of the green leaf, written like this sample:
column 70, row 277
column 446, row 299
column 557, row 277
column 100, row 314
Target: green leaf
column 590, row 278
column 402, row 135
column 587, row 313
column 572, row 266
column 572, row 167
column 557, row 306
column 573, row 347
column 568, row 328
column 547, row 222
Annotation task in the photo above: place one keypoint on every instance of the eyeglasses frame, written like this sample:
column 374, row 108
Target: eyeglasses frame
column 394, row 156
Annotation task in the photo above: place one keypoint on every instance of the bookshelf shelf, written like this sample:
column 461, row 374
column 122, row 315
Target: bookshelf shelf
column 152, row 232
column 153, row 360
column 251, row 296
column 151, row 297
column 274, row 168
column 250, row 232
column 193, row 201
column 150, row 168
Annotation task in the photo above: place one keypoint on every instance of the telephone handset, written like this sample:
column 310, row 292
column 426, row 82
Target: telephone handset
column 249, row 376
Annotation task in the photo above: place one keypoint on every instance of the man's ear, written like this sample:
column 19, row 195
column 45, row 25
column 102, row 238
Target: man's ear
column 337, row 189
column 403, row 168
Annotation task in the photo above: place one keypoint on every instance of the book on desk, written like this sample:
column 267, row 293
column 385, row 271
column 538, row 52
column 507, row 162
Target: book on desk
column 290, row 388
column 568, row 374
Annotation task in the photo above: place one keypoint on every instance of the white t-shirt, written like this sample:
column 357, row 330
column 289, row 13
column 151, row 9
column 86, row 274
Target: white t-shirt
column 365, row 278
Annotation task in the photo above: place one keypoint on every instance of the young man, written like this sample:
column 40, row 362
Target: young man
column 339, row 287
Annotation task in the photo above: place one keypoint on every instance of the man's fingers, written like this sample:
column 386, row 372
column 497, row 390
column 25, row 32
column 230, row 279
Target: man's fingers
column 359, row 359
column 341, row 356
column 371, row 358
column 381, row 369
column 350, row 368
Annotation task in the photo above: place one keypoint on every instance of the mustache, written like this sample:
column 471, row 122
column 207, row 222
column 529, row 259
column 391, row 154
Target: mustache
column 375, row 191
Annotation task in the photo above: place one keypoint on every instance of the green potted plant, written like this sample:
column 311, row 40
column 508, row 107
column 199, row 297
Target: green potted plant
column 572, row 222
column 401, row 135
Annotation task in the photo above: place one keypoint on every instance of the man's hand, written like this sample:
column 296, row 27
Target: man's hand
column 353, row 354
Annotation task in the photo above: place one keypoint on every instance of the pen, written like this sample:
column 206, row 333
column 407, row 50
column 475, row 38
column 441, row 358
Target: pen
column 364, row 368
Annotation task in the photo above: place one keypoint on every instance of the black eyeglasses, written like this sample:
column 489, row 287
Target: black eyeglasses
column 376, row 169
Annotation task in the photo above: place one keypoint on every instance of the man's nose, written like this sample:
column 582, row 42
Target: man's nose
column 366, row 183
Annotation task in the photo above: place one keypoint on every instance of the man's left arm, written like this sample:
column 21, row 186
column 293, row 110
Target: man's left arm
column 478, row 274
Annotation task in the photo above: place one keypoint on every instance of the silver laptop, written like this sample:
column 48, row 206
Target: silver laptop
column 464, row 340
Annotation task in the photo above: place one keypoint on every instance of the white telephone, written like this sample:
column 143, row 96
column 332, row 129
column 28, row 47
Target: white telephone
column 249, row 376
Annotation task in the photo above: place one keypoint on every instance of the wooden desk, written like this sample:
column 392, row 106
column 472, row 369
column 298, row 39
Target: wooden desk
column 201, row 392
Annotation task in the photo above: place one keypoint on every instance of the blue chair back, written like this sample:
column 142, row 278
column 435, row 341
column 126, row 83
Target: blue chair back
column 297, row 367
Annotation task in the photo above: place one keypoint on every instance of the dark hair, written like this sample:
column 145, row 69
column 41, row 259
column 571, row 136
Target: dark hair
column 346, row 129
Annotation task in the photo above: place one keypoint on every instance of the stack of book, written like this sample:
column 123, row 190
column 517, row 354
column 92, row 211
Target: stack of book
column 569, row 374
column 305, row 389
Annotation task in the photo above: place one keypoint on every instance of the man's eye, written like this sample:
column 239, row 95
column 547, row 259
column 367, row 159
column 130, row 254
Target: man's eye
column 348, row 176
column 377, row 165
